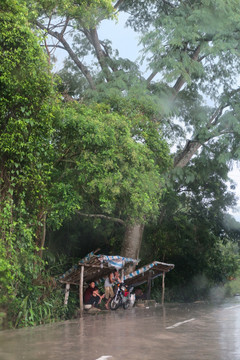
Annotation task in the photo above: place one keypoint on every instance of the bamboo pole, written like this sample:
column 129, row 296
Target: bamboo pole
column 149, row 285
column 163, row 286
column 67, row 290
column 81, row 290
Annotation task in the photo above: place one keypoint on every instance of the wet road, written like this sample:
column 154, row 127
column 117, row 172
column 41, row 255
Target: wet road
column 175, row 332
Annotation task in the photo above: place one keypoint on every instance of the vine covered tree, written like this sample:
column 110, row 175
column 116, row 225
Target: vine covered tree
column 25, row 132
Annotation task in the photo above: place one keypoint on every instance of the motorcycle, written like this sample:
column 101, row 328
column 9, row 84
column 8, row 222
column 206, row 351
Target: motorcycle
column 124, row 297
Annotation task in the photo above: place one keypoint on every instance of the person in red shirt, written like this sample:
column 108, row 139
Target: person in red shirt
column 91, row 295
column 88, row 292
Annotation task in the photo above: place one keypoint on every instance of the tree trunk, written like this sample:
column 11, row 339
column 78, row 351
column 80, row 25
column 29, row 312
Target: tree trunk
column 190, row 149
column 132, row 242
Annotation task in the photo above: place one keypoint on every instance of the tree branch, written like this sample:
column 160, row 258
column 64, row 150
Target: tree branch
column 55, row 46
column 187, row 153
column 71, row 53
column 153, row 74
column 118, row 3
column 192, row 146
column 181, row 81
column 49, row 21
column 219, row 111
column 48, row 52
column 65, row 26
column 120, row 221
column 100, row 54
column 216, row 115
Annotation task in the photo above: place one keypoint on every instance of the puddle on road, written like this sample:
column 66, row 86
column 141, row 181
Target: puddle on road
column 136, row 333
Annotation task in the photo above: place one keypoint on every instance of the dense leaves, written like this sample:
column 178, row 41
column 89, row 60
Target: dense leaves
column 113, row 165
column 194, row 233
column 25, row 129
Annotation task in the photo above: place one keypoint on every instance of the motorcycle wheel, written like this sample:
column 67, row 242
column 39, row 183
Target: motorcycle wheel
column 126, row 304
column 115, row 303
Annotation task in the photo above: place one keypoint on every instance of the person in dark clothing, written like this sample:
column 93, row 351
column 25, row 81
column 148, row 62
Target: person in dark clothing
column 88, row 292
column 92, row 296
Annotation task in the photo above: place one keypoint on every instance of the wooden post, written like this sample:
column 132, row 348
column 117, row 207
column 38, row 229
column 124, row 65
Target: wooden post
column 149, row 285
column 67, row 290
column 81, row 290
column 163, row 286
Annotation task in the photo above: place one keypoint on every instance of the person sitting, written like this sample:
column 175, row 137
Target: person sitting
column 116, row 277
column 92, row 296
column 108, row 286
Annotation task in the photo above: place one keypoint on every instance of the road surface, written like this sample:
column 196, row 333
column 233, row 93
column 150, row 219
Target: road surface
column 196, row 331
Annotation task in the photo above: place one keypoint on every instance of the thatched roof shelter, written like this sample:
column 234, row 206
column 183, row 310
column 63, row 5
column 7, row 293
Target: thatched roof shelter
column 153, row 270
column 147, row 273
column 92, row 268
column 97, row 267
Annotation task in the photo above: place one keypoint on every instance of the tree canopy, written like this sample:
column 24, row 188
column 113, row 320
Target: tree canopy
column 114, row 166
column 192, row 52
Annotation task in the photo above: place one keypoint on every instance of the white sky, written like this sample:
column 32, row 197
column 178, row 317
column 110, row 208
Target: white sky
column 124, row 39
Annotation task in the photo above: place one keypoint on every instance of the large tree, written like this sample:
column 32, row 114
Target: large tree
column 106, row 166
column 192, row 51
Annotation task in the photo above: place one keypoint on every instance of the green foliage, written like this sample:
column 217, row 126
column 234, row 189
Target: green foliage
column 194, row 233
column 203, row 275
column 25, row 132
column 25, row 86
column 172, row 31
column 85, row 11
column 40, row 302
column 112, row 163
column 232, row 287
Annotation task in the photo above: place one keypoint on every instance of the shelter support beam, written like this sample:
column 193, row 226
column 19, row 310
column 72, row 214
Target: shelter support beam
column 163, row 287
column 67, row 290
column 81, row 291
column 149, row 285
